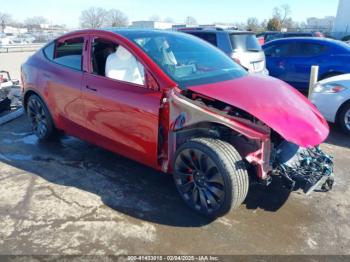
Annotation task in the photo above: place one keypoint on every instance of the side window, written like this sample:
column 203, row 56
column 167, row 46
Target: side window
column 310, row 49
column 49, row 51
column 70, row 53
column 269, row 38
column 114, row 61
column 270, row 50
column 209, row 37
column 283, row 50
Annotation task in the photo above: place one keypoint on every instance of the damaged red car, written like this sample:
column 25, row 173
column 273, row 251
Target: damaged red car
column 176, row 103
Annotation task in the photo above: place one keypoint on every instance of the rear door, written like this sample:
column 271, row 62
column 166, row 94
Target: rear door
column 63, row 78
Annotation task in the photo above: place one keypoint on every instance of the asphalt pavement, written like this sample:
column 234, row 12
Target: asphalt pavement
column 71, row 197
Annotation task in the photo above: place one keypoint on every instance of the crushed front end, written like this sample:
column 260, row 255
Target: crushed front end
column 307, row 169
column 266, row 152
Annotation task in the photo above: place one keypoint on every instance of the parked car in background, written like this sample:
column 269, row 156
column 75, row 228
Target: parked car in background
column 269, row 36
column 241, row 46
column 261, row 40
column 178, row 104
column 6, row 41
column 291, row 59
column 332, row 97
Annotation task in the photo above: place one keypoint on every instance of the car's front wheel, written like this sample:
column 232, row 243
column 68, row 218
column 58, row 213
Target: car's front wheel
column 40, row 118
column 210, row 175
column 344, row 118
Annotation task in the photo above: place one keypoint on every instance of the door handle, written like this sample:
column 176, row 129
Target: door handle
column 90, row 88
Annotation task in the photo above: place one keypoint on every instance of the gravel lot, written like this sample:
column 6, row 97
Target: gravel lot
column 71, row 197
column 12, row 62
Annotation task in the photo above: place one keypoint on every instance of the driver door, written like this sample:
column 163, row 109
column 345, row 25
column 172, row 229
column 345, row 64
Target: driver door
column 121, row 115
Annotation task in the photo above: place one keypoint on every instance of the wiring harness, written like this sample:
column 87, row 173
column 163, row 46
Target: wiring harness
column 308, row 169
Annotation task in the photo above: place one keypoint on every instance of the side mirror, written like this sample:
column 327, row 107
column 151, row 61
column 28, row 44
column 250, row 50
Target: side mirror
column 150, row 82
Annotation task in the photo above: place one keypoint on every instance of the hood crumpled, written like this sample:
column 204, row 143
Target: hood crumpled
column 275, row 103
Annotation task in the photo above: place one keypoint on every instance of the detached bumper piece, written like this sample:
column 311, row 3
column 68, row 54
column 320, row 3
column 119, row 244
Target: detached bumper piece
column 307, row 169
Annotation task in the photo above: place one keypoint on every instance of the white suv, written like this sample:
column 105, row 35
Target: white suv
column 242, row 46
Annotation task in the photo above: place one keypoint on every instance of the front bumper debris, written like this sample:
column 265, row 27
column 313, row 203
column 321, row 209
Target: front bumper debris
column 307, row 169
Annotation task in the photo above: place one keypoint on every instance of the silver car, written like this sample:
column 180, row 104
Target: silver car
column 242, row 46
column 332, row 97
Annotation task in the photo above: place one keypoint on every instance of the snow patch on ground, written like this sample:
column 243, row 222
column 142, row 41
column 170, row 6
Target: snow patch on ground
column 311, row 243
column 10, row 157
column 27, row 139
column 7, row 226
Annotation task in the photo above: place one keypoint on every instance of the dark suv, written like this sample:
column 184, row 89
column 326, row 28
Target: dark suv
column 242, row 46
column 269, row 36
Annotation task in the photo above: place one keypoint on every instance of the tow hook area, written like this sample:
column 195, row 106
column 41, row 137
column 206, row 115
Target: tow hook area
column 307, row 169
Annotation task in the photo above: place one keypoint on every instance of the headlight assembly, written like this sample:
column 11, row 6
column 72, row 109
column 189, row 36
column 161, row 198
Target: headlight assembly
column 329, row 88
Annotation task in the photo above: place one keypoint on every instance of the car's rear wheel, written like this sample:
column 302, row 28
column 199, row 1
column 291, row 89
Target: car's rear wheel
column 40, row 118
column 344, row 118
column 210, row 176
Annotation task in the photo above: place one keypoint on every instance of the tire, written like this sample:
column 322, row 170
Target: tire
column 210, row 176
column 344, row 118
column 40, row 118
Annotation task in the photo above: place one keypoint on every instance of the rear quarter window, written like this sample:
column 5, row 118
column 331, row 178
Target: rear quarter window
column 310, row 49
column 49, row 51
column 245, row 42
column 70, row 53
column 209, row 37
column 279, row 50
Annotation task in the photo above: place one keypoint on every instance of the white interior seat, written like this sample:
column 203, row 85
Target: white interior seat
column 122, row 65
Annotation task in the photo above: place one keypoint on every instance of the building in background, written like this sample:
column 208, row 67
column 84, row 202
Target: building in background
column 15, row 30
column 151, row 24
column 341, row 26
column 320, row 24
column 177, row 26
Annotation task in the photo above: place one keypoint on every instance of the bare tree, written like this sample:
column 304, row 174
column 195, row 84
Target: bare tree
column 290, row 24
column 35, row 21
column 281, row 13
column 154, row 17
column 302, row 26
column 190, row 20
column 5, row 19
column 94, row 17
column 252, row 24
column 263, row 24
column 274, row 24
column 117, row 18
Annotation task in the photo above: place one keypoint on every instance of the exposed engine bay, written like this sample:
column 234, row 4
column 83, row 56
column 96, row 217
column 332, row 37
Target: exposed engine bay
column 304, row 169
column 263, row 148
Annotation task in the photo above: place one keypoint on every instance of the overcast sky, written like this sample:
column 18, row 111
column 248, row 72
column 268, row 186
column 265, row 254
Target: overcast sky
column 205, row 11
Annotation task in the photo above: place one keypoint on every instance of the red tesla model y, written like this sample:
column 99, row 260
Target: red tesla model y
column 176, row 103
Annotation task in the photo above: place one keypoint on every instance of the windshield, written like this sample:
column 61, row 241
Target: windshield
column 245, row 42
column 186, row 59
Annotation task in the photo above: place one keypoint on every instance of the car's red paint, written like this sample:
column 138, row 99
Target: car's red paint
column 261, row 40
column 125, row 118
column 119, row 116
column 275, row 103
column 124, row 113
